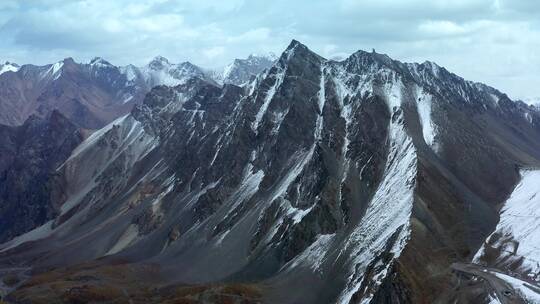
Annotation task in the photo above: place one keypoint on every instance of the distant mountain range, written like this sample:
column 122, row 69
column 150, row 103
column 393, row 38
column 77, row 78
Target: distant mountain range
column 95, row 93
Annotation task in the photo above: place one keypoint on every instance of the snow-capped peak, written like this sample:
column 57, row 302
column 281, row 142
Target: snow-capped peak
column 161, row 72
column 98, row 61
column 9, row 67
column 240, row 71
column 158, row 63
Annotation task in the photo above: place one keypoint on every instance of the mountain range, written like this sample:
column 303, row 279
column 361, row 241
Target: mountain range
column 365, row 180
column 94, row 94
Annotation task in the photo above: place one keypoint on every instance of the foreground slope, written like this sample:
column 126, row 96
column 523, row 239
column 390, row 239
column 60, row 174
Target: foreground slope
column 321, row 182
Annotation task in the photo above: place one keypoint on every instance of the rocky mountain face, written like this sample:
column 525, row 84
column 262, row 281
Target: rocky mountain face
column 160, row 72
column 358, row 181
column 89, row 94
column 92, row 95
column 29, row 157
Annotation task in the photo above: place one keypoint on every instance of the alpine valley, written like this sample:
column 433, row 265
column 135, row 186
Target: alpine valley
column 290, row 179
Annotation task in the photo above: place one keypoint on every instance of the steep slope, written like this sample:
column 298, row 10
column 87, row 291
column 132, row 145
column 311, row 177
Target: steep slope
column 29, row 155
column 320, row 181
column 513, row 245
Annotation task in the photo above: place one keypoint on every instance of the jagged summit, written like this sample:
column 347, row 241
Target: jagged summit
column 158, row 62
column 294, row 44
column 296, row 48
column 374, row 56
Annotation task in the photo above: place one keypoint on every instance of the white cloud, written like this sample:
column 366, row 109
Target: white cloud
column 258, row 34
column 441, row 27
column 213, row 52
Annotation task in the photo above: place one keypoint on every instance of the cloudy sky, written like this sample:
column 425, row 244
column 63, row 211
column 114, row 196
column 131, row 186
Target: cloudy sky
column 492, row 41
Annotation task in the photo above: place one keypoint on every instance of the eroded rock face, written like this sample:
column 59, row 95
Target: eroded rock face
column 30, row 155
column 346, row 182
column 90, row 95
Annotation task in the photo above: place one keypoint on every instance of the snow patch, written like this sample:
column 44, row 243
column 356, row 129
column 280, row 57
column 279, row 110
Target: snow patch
column 320, row 103
column 423, row 105
column 528, row 117
column 127, row 99
column 299, row 163
column 279, row 76
column 494, row 98
column 392, row 91
column 520, row 222
column 526, row 290
column 314, row 256
column 56, row 70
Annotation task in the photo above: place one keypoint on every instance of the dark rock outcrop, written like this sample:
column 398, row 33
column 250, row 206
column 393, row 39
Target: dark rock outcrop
column 29, row 158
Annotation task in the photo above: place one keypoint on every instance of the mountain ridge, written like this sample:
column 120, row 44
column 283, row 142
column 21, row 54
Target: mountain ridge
column 95, row 93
